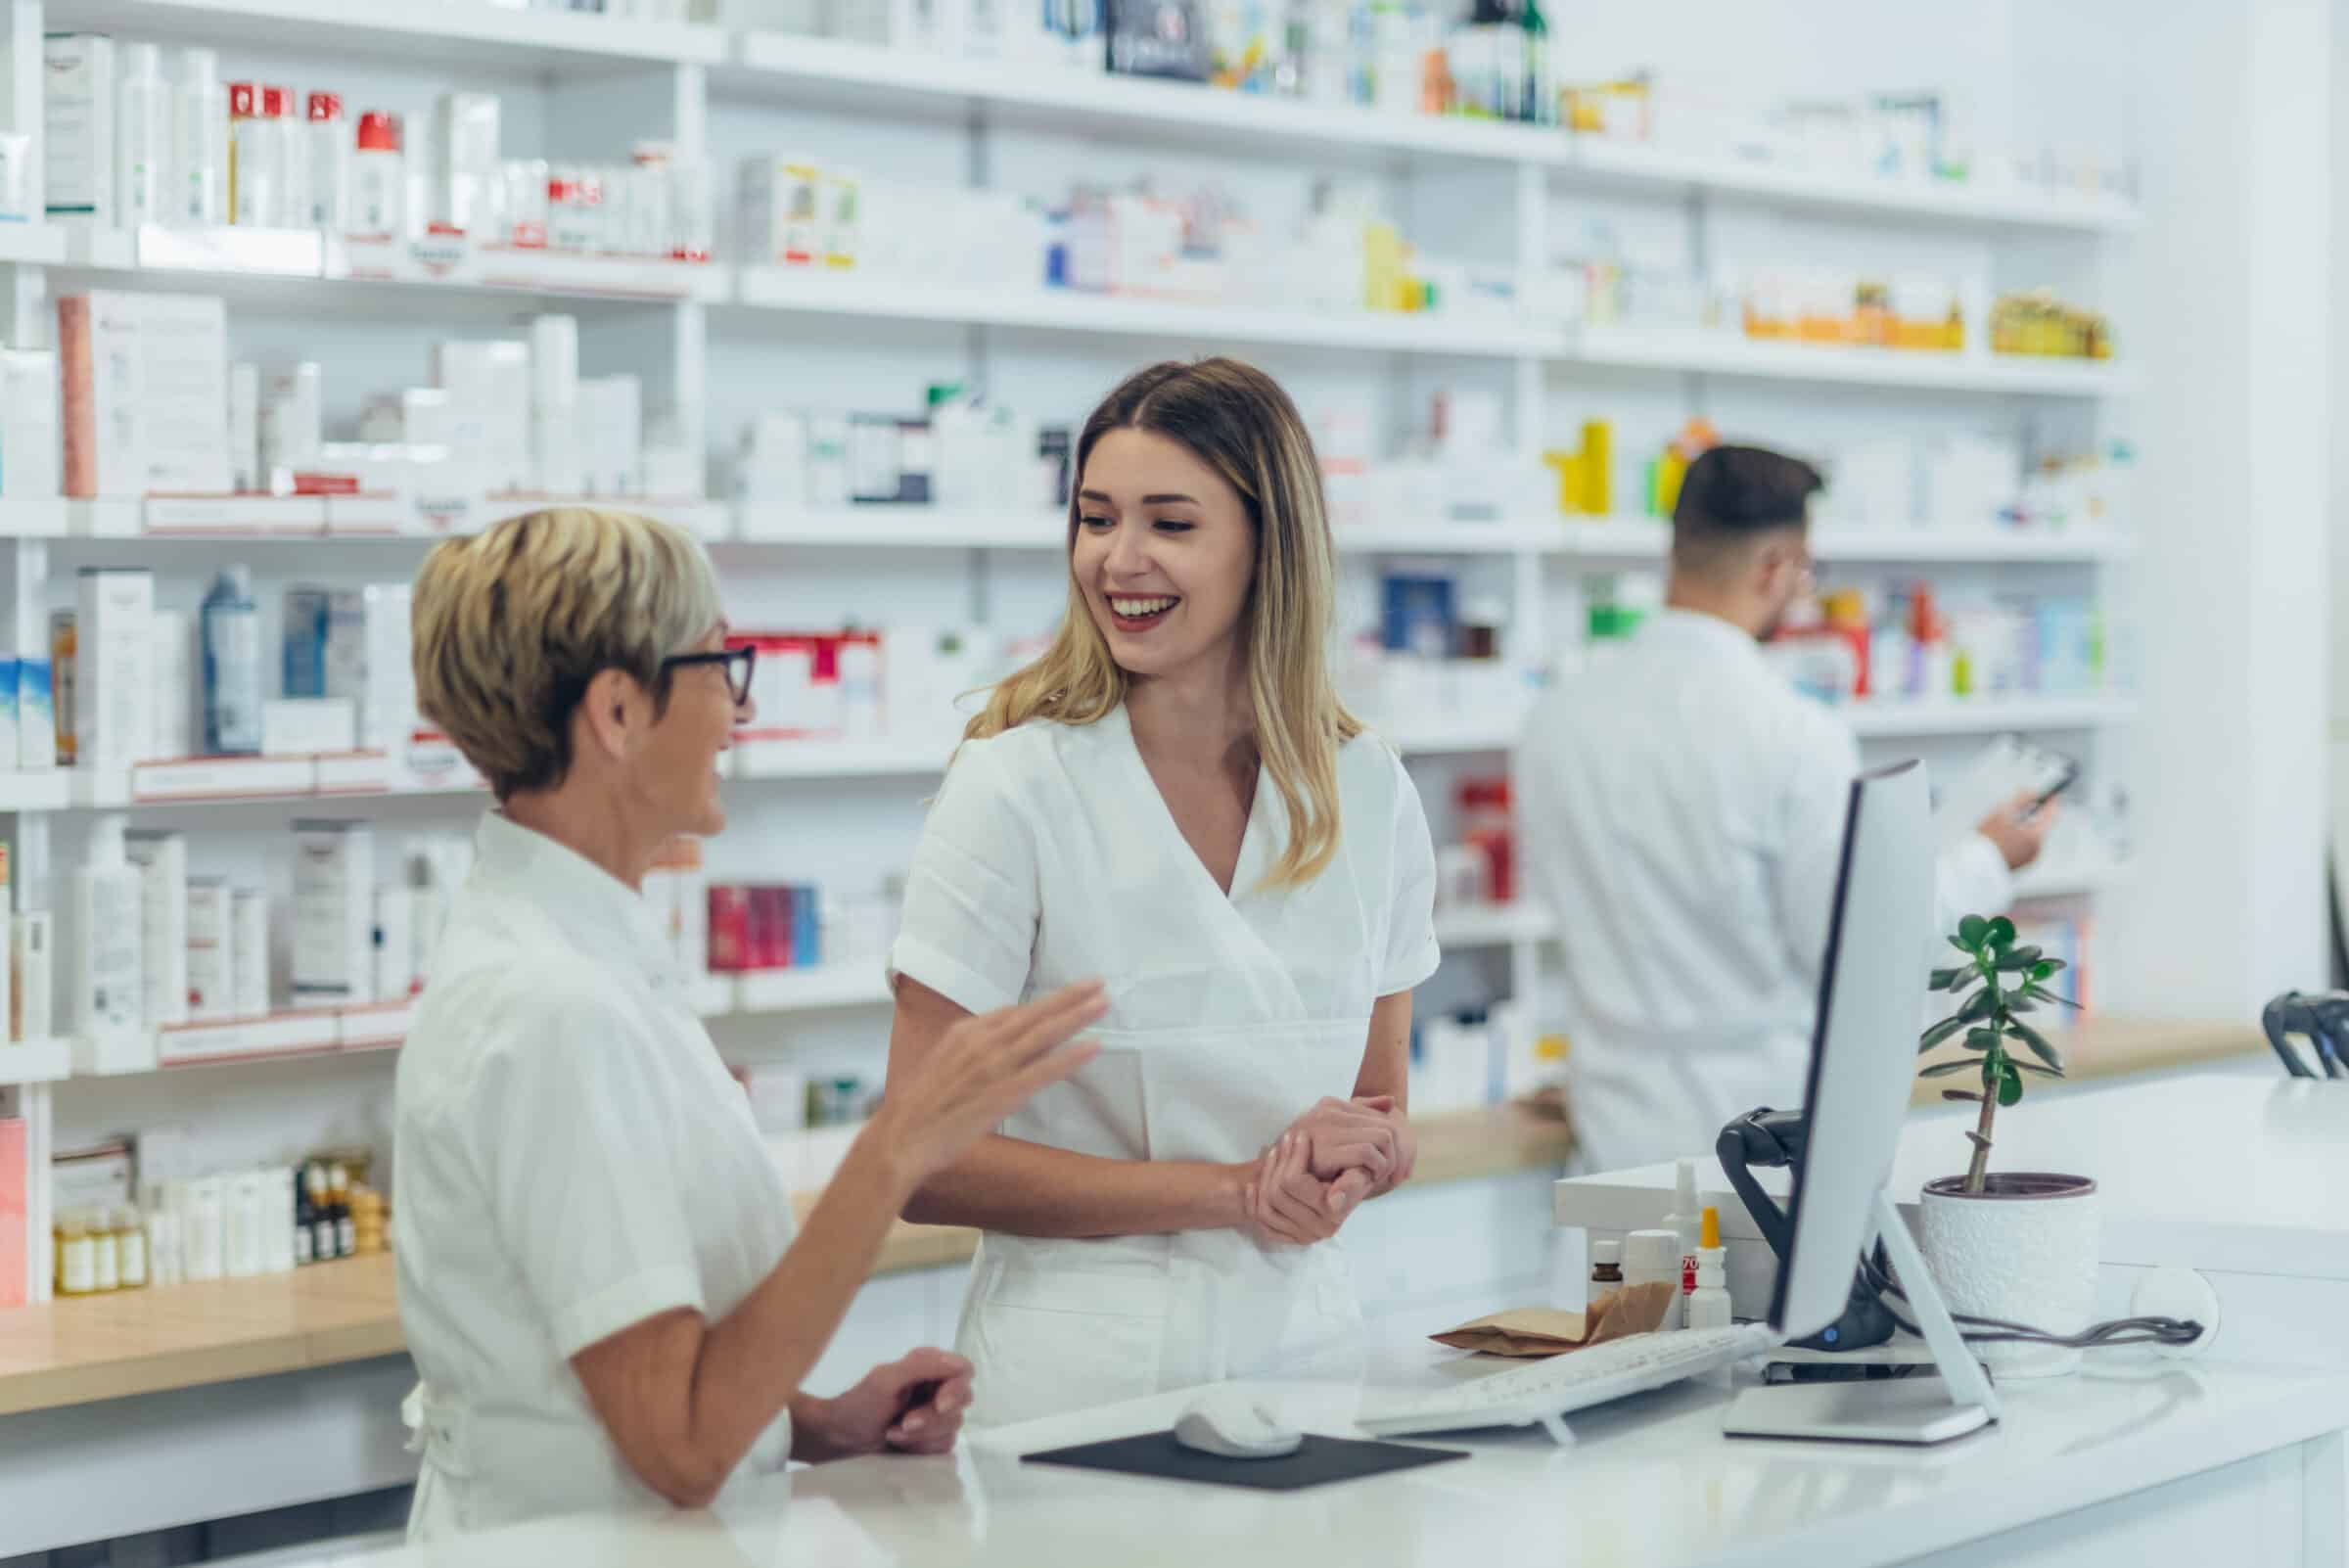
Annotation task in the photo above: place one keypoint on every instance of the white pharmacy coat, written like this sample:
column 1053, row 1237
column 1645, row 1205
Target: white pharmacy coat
column 1050, row 858
column 570, row 1158
column 1681, row 812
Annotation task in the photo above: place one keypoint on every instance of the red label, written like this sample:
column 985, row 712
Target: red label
column 244, row 100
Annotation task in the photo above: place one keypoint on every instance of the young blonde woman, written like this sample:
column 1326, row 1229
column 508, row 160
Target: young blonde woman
column 1173, row 799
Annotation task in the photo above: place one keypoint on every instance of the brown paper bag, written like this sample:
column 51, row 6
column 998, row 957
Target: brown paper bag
column 1536, row 1331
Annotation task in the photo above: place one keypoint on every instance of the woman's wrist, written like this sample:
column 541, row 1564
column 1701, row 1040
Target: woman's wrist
column 1228, row 1194
column 812, row 1438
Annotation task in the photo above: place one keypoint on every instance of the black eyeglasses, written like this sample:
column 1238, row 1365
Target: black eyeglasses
column 738, row 661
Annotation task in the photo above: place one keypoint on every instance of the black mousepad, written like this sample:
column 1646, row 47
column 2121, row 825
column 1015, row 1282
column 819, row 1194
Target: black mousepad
column 1318, row 1462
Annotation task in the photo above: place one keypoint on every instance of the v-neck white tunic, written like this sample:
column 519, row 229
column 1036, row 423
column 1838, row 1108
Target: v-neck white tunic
column 1050, row 858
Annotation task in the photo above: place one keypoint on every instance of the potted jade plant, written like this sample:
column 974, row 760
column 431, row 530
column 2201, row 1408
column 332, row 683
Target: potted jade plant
column 2014, row 1247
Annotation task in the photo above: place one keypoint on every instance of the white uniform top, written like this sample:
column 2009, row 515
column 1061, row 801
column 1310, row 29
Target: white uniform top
column 1681, row 812
column 570, row 1158
column 1051, row 858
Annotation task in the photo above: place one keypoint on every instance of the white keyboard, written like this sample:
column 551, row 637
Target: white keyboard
column 1575, row 1381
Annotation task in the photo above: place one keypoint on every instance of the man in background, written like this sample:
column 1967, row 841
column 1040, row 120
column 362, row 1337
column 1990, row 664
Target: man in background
column 1684, row 813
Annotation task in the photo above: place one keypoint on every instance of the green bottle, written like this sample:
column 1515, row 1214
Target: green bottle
column 1541, row 106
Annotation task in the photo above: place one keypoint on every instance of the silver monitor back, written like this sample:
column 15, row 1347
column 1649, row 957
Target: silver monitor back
column 1863, row 1046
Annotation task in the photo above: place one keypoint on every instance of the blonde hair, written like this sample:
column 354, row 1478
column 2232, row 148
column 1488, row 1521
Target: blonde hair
column 1235, row 419
column 511, row 625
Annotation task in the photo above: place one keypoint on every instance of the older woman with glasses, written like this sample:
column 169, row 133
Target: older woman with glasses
column 598, row 1273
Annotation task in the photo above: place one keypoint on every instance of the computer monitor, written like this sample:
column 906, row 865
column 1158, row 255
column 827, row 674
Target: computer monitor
column 1871, row 992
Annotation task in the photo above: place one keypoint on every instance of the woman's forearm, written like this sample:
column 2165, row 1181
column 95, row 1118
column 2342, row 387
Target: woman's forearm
column 1028, row 1189
column 753, row 1359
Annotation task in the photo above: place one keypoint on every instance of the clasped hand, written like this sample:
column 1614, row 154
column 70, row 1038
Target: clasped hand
column 1309, row 1181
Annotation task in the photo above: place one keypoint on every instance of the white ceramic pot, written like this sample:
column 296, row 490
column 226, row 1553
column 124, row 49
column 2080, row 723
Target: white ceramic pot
column 2024, row 1251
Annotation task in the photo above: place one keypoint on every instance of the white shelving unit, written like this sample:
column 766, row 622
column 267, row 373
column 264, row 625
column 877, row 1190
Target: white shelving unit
column 1984, row 717
column 662, row 80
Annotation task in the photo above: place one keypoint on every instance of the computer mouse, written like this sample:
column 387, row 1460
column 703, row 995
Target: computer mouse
column 1230, row 1425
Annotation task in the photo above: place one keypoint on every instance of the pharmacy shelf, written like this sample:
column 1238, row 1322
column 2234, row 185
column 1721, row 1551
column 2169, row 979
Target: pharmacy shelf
column 810, row 990
column 1984, row 715
column 810, row 292
column 1615, row 162
column 486, row 36
column 825, row 73
column 752, row 528
column 311, row 519
column 275, row 258
column 1957, row 545
column 891, row 527
column 1493, row 925
column 277, row 1037
column 1023, row 94
column 1454, row 738
column 36, row 244
column 35, row 1061
column 1694, row 350
column 840, row 758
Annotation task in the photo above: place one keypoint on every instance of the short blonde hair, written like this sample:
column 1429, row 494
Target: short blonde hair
column 511, row 625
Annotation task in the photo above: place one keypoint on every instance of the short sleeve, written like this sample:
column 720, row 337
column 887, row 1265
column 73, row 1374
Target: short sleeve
column 569, row 1130
column 972, row 897
column 1411, row 954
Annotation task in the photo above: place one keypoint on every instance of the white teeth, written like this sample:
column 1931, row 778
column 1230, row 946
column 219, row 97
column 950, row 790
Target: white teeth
column 1141, row 607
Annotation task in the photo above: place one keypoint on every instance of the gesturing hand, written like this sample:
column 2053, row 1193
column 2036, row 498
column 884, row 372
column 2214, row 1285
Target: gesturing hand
column 980, row 1072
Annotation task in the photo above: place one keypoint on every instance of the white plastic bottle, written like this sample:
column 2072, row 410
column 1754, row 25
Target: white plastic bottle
column 143, row 139
column 1653, row 1257
column 379, row 179
column 200, row 141
column 1709, row 1303
column 1689, row 1224
column 109, row 979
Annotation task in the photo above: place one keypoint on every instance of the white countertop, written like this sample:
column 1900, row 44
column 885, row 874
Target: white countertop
column 1652, row 1482
column 2218, row 1170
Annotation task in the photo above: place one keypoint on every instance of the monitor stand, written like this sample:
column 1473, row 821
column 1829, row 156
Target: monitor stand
column 1915, row 1410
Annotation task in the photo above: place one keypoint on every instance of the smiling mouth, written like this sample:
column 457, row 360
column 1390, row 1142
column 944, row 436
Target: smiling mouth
column 1140, row 612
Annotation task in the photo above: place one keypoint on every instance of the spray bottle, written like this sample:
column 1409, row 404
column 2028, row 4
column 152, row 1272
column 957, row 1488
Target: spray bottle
column 1685, row 1221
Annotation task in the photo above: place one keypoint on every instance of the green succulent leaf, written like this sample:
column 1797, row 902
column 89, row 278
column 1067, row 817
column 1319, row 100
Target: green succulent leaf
column 1967, row 1095
column 1947, row 1069
column 2038, row 1045
column 2010, row 1084
column 2038, row 1071
column 1973, row 931
column 1980, row 1005
column 2049, row 968
column 2002, row 934
column 2016, row 959
column 1938, row 1033
column 1946, row 979
column 1982, row 1039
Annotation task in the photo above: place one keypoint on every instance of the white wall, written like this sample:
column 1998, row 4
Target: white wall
column 2235, row 419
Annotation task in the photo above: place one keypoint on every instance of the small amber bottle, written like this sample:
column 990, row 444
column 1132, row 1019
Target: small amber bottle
column 1606, row 1262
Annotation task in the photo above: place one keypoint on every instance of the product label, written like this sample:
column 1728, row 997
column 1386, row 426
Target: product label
column 132, row 1257
column 77, row 1266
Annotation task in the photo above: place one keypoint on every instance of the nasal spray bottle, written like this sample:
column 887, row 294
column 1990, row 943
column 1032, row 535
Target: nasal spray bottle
column 1685, row 1221
column 1709, row 1302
